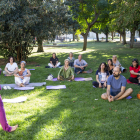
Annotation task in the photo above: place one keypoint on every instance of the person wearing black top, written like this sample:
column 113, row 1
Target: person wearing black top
column 54, row 61
column 110, row 66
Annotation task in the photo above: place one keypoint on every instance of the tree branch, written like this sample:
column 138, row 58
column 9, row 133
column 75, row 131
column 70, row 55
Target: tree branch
column 94, row 9
column 95, row 20
column 86, row 21
column 82, row 34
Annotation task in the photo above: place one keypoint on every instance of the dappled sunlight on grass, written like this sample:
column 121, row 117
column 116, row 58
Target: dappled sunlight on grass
column 73, row 113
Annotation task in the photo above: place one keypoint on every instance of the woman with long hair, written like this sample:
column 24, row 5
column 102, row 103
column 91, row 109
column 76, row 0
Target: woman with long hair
column 101, row 76
column 134, row 72
column 110, row 66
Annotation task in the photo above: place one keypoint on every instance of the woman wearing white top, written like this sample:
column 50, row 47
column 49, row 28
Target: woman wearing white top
column 117, row 63
column 22, row 78
column 11, row 68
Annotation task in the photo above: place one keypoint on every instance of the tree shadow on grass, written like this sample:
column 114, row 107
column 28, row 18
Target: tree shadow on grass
column 75, row 125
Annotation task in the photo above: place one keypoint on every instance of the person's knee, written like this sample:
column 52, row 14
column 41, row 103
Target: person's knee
column 103, row 96
column 94, row 82
column 130, row 90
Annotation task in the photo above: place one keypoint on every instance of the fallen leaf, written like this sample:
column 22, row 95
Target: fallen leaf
column 81, row 132
column 115, row 110
column 138, row 130
column 93, row 107
column 110, row 108
column 74, row 101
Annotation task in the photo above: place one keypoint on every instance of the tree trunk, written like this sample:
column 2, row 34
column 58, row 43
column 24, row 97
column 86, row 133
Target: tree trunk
column 124, row 38
column 132, row 38
column 85, row 42
column 18, row 53
column 120, row 38
column 112, row 35
column 73, row 36
column 106, row 37
column 97, row 37
column 139, row 33
column 40, row 47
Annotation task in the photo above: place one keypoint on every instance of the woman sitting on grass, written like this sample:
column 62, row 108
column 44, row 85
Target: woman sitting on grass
column 54, row 61
column 11, row 68
column 110, row 66
column 101, row 76
column 3, row 120
column 71, row 59
column 117, row 63
column 22, row 78
column 134, row 72
column 66, row 72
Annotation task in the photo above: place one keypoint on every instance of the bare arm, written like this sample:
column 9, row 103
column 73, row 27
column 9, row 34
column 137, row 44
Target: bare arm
column 120, row 93
column 16, row 75
column 76, row 66
column 56, row 63
column 97, row 79
column 134, row 73
column 16, row 70
column 85, row 65
column 108, row 90
column 6, row 70
column 105, row 83
column 28, row 75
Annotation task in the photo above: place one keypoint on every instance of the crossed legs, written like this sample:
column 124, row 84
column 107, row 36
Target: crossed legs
column 22, row 82
column 125, row 94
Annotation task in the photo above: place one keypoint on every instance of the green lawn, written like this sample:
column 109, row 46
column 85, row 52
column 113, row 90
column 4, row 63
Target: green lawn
column 73, row 113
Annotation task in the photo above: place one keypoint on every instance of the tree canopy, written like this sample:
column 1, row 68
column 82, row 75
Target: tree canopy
column 22, row 21
column 89, row 13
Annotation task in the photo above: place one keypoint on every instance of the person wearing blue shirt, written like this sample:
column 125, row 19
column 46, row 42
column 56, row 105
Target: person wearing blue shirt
column 116, row 87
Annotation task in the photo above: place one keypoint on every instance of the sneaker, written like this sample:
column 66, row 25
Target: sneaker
column 8, row 87
column 5, row 87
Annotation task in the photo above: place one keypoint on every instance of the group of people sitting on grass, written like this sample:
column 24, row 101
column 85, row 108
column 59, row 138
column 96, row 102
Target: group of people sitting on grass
column 107, row 76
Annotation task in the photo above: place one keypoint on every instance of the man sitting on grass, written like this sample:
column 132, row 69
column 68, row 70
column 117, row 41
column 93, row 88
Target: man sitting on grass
column 116, row 87
column 80, row 65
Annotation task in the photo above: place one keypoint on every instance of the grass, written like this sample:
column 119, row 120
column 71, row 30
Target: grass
column 73, row 113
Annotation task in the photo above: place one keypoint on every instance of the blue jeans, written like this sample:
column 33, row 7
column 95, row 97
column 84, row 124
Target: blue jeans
column 78, row 69
column 71, row 64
